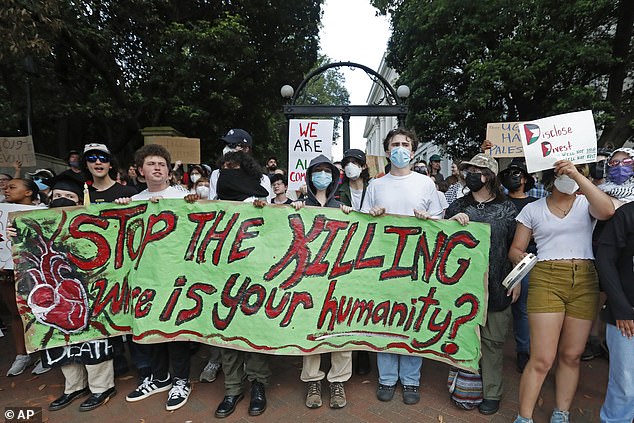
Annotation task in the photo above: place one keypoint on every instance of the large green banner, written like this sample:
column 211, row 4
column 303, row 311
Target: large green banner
column 269, row 279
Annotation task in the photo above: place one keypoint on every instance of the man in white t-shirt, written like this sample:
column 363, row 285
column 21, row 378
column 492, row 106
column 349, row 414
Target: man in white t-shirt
column 409, row 193
column 153, row 163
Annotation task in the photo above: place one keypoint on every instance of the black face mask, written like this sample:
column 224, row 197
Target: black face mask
column 61, row 202
column 512, row 183
column 474, row 182
column 597, row 170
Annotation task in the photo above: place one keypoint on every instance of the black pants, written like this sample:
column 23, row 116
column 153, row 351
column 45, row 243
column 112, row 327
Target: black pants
column 178, row 354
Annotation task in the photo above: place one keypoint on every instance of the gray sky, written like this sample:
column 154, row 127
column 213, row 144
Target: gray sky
column 351, row 32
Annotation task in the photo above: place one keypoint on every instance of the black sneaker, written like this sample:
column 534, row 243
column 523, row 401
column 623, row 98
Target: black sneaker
column 385, row 392
column 178, row 394
column 410, row 394
column 592, row 350
column 148, row 387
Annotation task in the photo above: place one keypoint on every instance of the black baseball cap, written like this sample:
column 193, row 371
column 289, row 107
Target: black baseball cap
column 238, row 136
column 518, row 163
column 67, row 182
column 355, row 154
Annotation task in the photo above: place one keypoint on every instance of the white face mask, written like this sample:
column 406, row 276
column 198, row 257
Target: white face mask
column 203, row 191
column 195, row 177
column 352, row 171
column 228, row 149
column 566, row 185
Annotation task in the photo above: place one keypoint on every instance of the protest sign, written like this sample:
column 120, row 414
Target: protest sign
column 376, row 165
column 271, row 280
column 307, row 139
column 17, row 148
column 187, row 150
column 505, row 137
column 6, row 261
column 570, row 136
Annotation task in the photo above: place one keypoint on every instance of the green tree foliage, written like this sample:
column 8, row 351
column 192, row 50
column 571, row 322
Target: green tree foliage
column 472, row 62
column 107, row 68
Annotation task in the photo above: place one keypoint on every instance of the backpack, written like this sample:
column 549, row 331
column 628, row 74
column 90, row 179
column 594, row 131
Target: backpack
column 465, row 388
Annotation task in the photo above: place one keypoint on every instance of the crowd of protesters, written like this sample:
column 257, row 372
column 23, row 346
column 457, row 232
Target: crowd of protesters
column 577, row 219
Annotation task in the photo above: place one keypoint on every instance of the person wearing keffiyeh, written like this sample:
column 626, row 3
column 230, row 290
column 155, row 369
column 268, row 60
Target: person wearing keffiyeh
column 620, row 177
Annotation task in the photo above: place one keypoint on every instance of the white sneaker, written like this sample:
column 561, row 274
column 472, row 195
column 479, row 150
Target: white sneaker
column 148, row 387
column 22, row 361
column 39, row 369
column 210, row 372
column 178, row 395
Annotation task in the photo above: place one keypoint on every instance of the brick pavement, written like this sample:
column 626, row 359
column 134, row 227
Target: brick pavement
column 286, row 397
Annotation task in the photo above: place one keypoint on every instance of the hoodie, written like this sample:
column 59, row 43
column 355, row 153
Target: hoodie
column 331, row 191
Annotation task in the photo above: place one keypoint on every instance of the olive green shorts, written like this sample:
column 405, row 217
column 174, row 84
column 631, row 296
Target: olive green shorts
column 564, row 286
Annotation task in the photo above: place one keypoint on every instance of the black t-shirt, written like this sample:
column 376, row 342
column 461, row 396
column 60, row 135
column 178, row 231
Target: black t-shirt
column 112, row 193
column 437, row 177
column 500, row 215
column 140, row 186
column 520, row 203
column 288, row 201
column 615, row 263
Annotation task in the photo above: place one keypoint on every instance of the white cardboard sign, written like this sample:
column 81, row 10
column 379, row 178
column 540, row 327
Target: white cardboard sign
column 307, row 139
column 6, row 260
column 571, row 136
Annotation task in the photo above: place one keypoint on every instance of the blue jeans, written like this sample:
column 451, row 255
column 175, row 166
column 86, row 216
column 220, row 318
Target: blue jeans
column 618, row 406
column 520, row 319
column 393, row 367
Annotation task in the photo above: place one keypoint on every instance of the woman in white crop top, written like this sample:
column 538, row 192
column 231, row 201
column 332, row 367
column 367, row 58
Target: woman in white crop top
column 563, row 288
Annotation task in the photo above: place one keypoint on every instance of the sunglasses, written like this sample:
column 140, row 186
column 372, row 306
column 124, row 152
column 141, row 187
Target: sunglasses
column 420, row 169
column 624, row 162
column 94, row 157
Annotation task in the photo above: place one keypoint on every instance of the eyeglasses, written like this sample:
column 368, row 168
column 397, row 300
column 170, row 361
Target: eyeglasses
column 515, row 172
column 93, row 158
column 5, row 179
column 624, row 162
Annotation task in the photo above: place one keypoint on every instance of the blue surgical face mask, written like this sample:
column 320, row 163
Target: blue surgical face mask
column 321, row 180
column 41, row 185
column 620, row 174
column 400, row 157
